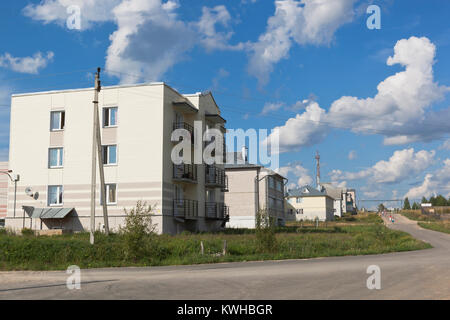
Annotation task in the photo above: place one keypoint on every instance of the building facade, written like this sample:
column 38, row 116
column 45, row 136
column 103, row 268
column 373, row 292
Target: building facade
column 308, row 203
column 252, row 188
column 337, row 195
column 51, row 149
column 3, row 191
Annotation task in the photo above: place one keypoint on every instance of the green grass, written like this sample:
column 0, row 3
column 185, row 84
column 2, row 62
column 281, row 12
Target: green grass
column 58, row 252
column 417, row 215
column 441, row 226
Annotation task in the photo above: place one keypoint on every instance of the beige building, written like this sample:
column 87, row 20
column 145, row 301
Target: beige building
column 250, row 189
column 51, row 149
column 308, row 203
column 3, row 191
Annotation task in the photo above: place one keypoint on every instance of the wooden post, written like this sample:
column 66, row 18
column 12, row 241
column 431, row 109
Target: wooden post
column 224, row 247
column 202, row 248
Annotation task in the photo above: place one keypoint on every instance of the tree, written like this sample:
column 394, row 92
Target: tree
column 440, row 201
column 406, row 205
column 381, row 207
column 424, row 200
column 265, row 231
column 415, row 206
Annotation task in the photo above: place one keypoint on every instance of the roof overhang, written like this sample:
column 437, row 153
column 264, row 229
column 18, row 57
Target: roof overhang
column 217, row 118
column 47, row 213
column 184, row 106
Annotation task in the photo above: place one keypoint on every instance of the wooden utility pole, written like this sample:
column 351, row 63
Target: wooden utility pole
column 97, row 153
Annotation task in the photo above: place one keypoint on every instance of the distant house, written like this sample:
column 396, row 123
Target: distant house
column 349, row 201
column 337, row 195
column 252, row 188
column 308, row 203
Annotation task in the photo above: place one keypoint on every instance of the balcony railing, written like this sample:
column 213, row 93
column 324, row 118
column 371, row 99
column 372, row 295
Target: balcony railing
column 185, row 172
column 216, row 210
column 186, row 126
column 184, row 208
column 215, row 177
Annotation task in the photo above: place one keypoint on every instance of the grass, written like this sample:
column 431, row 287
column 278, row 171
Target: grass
column 441, row 226
column 417, row 215
column 58, row 252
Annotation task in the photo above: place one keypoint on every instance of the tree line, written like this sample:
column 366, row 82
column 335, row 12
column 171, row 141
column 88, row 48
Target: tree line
column 436, row 201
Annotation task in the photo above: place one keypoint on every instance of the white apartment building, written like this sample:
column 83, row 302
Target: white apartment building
column 252, row 188
column 308, row 203
column 51, row 150
column 3, row 191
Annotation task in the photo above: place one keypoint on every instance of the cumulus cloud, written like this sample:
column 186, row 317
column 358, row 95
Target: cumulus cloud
column 30, row 65
column 150, row 37
column 400, row 111
column 212, row 39
column 433, row 183
column 55, row 11
column 445, row 145
column 298, row 172
column 402, row 165
column 270, row 107
column 296, row 21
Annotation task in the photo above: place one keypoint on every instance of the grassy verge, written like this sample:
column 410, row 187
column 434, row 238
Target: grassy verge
column 58, row 252
column 441, row 226
column 416, row 215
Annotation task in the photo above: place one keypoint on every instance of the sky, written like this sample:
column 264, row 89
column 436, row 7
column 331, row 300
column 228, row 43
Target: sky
column 373, row 101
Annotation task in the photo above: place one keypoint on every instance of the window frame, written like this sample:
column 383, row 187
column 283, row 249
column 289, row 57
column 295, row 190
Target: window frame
column 107, row 111
column 60, row 193
column 60, row 157
column 107, row 187
column 62, row 120
column 107, row 163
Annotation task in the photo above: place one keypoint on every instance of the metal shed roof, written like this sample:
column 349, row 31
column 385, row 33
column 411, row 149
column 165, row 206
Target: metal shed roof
column 47, row 213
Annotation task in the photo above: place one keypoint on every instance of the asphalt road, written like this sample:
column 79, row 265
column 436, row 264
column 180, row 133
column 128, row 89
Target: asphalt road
column 423, row 274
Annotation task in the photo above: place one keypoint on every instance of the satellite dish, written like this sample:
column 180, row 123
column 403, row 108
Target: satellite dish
column 29, row 191
column 36, row 196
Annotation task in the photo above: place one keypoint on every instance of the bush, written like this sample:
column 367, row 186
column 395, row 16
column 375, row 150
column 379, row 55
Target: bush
column 265, row 232
column 138, row 232
column 27, row 232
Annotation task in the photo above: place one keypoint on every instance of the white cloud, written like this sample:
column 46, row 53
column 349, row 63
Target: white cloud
column 212, row 39
column 26, row 64
column 301, row 21
column 296, row 170
column 445, row 145
column 270, row 107
column 352, row 155
column 55, row 11
column 402, row 165
column 399, row 111
column 433, row 183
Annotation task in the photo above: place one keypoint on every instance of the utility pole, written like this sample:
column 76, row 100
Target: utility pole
column 98, row 87
column 318, row 170
column 97, row 152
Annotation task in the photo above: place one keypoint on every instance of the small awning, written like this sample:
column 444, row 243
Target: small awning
column 215, row 118
column 185, row 106
column 47, row 213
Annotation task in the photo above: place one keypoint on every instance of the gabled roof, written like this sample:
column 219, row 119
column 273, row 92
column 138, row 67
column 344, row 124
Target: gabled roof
column 306, row 191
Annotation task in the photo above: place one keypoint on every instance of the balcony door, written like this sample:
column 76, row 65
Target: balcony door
column 178, row 200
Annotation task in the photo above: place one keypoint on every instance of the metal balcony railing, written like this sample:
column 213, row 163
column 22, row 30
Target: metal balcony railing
column 216, row 210
column 215, row 177
column 185, row 172
column 184, row 208
column 186, row 126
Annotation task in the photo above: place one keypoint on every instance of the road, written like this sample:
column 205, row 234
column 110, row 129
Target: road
column 423, row 274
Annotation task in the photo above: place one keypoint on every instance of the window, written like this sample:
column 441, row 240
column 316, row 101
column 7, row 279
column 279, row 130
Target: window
column 57, row 120
column 55, row 195
column 110, row 117
column 279, row 185
column 111, row 194
column 271, row 182
column 109, row 154
column 55, row 157
column 299, row 200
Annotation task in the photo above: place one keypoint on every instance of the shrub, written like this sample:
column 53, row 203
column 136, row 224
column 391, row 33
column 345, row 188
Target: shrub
column 27, row 232
column 138, row 232
column 265, row 231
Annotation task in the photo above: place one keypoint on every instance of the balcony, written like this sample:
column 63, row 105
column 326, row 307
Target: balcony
column 216, row 211
column 186, row 209
column 216, row 178
column 185, row 173
column 185, row 126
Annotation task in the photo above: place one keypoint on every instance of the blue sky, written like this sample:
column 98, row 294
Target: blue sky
column 287, row 64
